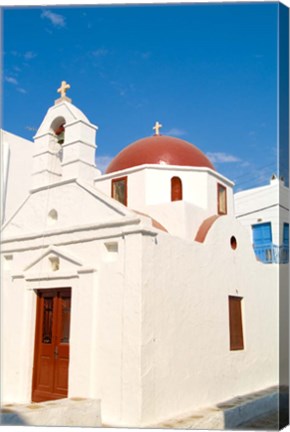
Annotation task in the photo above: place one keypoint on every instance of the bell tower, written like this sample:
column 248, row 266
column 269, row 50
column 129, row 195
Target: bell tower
column 64, row 144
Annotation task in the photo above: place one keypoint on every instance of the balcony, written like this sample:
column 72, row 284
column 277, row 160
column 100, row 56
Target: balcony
column 272, row 254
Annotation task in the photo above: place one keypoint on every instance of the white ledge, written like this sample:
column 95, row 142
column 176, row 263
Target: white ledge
column 66, row 144
column 84, row 270
column 50, row 276
column 164, row 168
column 92, row 126
column 76, row 228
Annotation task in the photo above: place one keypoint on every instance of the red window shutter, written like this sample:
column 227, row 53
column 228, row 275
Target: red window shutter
column 236, row 326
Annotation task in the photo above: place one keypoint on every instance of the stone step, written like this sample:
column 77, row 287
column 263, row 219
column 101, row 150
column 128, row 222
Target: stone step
column 61, row 412
column 232, row 414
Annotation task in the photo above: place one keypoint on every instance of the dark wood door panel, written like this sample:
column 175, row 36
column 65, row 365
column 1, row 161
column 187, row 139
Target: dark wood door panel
column 51, row 356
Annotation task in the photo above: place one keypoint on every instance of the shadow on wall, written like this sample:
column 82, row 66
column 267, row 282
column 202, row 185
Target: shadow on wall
column 8, row 417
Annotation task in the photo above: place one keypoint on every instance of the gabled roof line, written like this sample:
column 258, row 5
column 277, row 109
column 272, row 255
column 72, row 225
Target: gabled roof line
column 15, row 213
column 56, row 250
column 73, row 229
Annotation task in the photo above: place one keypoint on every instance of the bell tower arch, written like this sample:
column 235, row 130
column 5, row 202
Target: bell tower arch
column 64, row 145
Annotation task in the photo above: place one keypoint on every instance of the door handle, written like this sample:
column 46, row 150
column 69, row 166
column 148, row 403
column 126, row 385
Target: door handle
column 55, row 352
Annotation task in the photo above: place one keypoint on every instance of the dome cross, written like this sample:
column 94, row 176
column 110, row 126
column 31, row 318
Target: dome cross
column 63, row 89
column 157, row 127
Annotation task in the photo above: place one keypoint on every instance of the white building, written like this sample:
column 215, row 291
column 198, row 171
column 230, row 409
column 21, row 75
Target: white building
column 16, row 157
column 151, row 304
column 265, row 212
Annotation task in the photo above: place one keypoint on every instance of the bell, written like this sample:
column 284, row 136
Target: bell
column 60, row 138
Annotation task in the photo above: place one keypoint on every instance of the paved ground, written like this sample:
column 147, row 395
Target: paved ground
column 267, row 422
column 225, row 415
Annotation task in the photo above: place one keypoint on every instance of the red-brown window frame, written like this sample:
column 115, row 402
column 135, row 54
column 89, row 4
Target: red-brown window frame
column 173, row 196
column 219, row 188
column 236, row 323
column 125, row 179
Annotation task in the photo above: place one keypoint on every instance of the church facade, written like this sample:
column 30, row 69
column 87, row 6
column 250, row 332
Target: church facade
column 138, row 287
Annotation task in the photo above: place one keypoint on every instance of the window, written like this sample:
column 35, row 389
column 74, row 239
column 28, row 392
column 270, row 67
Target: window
column 286, row 234
column 236, row 326
column 262, row 242
column 284, row 250
column 176, row 189
column 233, row 242
column 65, row 318
column 222, row 199
column 119, row 190
column 262, row 234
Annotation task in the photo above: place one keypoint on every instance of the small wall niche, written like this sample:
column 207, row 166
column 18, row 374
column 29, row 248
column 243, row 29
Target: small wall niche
column 54, row 263
column 233, row 242
column 111, row 251
column 8, row 259
column 52, row 217
column 112, row 247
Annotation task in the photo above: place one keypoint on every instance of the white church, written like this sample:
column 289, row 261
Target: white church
column 138, row 287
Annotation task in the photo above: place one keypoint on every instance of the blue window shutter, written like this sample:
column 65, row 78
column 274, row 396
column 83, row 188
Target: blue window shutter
column 262, row 233
column 286, row 234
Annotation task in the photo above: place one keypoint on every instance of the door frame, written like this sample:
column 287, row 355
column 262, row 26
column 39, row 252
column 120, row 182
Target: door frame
column 37, row 335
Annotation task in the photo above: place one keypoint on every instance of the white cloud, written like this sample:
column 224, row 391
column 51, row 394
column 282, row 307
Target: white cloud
column 55, row 19
column 146, row 55
column 245, row 164
column 222, row 158
column 102, row 162
column 176, row 132
column 29, row 55
column 100, row 52
column 21, row 90
column 31, row 128
column 11, row 80
column 122, row 89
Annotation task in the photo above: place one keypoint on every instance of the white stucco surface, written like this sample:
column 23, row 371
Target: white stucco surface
column 149, row 191
column 16, row 166
column 268, row 203
column 189, row 319
column 149, row 330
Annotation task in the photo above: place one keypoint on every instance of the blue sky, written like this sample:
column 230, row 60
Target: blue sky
column 207, row 72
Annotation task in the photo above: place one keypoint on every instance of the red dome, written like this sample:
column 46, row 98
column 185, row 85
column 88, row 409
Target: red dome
column 159, row 149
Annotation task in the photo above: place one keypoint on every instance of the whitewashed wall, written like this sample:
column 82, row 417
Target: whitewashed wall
column 268, row 203
column 16, row 167
column 155, row 181
column 186, row 360
column 149, row 191
column 149, row 321
column 149, row 329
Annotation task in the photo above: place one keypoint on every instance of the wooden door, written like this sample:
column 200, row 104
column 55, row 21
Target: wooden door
column 51, row 352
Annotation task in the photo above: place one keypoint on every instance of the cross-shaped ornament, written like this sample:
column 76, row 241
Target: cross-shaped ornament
column 157, row 127
column 63, row 89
